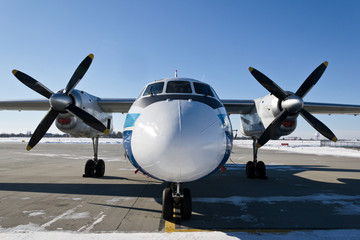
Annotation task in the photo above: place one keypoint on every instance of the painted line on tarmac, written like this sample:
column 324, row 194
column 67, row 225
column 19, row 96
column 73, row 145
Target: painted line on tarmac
column 68, row 212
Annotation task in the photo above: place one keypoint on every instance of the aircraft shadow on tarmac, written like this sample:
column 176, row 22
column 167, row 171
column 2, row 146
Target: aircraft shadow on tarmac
column 231, row 201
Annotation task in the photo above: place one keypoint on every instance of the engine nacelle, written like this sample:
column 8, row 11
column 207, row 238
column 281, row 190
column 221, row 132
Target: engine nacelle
column 265, row 111
column 72, row 125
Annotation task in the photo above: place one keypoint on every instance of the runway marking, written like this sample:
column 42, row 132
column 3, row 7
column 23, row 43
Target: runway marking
column 170, row 226
column 68, row 212
column 99, row 218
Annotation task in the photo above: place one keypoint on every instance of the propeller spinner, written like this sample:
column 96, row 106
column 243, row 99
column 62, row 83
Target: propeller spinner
column 292, row 104
column 60, row 102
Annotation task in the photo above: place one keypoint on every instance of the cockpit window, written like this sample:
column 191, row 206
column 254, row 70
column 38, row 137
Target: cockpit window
column 141, row 93
column 205, row 89
column 154, row 88
column 178, row 87
column 215, row 93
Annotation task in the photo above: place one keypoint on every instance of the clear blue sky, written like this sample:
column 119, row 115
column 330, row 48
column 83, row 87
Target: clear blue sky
column 135, row 42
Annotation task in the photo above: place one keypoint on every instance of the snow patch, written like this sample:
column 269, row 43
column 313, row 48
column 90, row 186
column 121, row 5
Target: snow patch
column 68, row 212
column 67, row 198
column 81, row 215
column 62, row 140
column 348, row 234
column 99, row 218
column 118, row 199
column 34, row 213
column 345, row 208
column 241, row 201
column 246, row 218
column 303, row 147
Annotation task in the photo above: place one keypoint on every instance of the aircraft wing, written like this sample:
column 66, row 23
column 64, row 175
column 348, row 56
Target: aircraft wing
column 238, row 106
column 26, row 105
column 245, row 107
column 331, row 108
column 122, row 105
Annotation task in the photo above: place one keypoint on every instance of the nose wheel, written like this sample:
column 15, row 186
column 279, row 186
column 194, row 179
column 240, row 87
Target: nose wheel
column 176, row 197
column 95, row 167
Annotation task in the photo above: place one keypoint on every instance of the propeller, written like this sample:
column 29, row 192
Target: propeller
column 60, row 102
column 292, row 104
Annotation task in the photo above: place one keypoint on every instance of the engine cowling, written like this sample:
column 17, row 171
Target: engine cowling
column 265, row 111
column 72, row 125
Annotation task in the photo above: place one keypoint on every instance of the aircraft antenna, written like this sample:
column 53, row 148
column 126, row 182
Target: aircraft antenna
column 203, row 78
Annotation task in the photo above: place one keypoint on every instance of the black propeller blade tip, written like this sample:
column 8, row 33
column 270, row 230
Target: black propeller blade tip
column 28, row 148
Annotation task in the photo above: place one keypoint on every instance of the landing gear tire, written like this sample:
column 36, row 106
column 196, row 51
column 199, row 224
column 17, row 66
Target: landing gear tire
column 100, row 168
column 260, row 170
column 89, row 168
column 167, row 205
column 250, row 169
column 186, row 205
column 95, row 167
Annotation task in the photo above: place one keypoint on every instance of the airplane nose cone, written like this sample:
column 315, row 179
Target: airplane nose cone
column 178, row 140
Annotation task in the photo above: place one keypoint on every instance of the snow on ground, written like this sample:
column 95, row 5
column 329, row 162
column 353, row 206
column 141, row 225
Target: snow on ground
column 345, row 207
column 62, row 140
column 304, row 147
column 349, row 234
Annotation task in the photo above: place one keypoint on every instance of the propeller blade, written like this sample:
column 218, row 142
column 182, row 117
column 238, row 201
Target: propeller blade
column 268, row 84
column 33, row 84
column 272, row 128
column 78, row 74
column 312, row 79
column 42, row 128
column 319, row 126
column 87, row 118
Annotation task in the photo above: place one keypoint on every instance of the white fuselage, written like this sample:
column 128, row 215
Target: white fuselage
column 177, row 137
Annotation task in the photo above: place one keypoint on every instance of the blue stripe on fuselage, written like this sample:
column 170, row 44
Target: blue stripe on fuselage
column 131, row 119
column 127, row 135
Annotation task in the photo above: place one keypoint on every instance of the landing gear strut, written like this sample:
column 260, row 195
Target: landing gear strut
column 95, row 167
column 176, row 197
column 255, row 168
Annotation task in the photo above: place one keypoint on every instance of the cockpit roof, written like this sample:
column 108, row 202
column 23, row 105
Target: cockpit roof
column 177, row 79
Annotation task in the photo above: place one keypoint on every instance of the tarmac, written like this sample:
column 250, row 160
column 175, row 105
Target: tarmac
column 44, row 190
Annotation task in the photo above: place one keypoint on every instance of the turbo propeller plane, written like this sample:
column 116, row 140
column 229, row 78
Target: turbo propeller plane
column 178, row 129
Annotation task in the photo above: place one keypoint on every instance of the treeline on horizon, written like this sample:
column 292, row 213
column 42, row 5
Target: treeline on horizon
column 56, row 135
column 120, row 135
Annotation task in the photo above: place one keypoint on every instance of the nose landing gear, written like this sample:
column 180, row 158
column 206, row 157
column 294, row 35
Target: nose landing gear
column 176, row 197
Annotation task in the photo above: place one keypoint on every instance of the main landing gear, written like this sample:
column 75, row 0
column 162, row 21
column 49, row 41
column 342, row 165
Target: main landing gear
column 255, row 168
column 95, row 167
column 176, row 197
